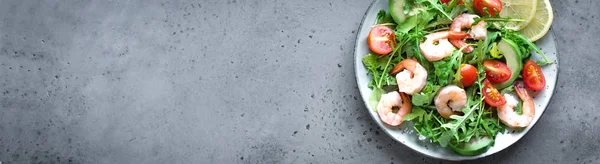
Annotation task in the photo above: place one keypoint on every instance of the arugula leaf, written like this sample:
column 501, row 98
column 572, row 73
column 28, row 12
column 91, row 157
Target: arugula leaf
column 451, row 5
column 491, row 125
column 445, row 138
column 483, row 47
column 435, row 4
column 384, row 17
column 414, row 51
column 519, row 108
column 469, row 5
column 425, row 18
column 445, row 68
column 378, row 67
column 425, row 97
column 417, row 112
column 442, row 23
column 459, row 121
column 370, row 61
column 456, row 11
column 495, row 53
column 389, row 80
column 457, row 77
column 429, row 127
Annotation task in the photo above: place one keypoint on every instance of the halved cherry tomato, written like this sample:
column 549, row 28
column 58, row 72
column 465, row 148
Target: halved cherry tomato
column 468, row 73
column 491, row 96
column 533, row 76
column 491, row 5
column 448, row 1
column 379, row 40
column 496, row 71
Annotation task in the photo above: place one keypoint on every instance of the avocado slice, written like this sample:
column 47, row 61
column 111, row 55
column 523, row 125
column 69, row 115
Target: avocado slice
column 512, row 54
column 396, row 9
column 473, row 147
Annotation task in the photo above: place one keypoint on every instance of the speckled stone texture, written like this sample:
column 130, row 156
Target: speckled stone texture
column 233, row 81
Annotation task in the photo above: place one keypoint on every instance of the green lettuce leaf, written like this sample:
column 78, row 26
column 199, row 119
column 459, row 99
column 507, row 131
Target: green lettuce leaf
column 375, row 96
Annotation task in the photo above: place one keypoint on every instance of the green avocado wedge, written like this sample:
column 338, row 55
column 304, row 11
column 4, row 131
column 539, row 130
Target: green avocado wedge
column 512, row 54
column 475, row 147
column 396, row 9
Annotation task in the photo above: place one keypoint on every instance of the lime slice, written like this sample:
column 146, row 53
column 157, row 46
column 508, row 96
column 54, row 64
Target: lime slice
column 540, row 25
column 518, row 9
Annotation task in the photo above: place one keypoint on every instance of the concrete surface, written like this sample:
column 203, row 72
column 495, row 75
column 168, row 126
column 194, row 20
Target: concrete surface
column 233, row 81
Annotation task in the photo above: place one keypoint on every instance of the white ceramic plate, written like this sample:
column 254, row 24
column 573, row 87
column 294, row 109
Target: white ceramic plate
column 405, row 133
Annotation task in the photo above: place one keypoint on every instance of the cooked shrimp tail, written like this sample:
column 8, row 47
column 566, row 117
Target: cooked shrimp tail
column 436, row 46
column 463, row 21
column 507, row 114
column 460, row 44
column 450, row 100
column 411, row 76
column 390, row 100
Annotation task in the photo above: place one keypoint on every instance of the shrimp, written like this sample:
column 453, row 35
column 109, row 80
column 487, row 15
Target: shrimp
column 390, row 100
column 451, row 95
column 413, row 77
column 436, row 46
column 507, row 114
column 478, row 31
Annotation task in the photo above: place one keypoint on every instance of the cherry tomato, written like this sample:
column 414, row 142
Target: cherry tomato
column 533, row 76
column 491, row 5
column 468, row 73
column 496, row 71
column 460, row 2
column 491, row 95
column 379, row 40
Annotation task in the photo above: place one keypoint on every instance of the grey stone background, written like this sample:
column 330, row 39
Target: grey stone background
column 234, row 81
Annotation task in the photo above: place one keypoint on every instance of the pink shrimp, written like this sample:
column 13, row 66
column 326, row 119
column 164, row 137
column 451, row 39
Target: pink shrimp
column 390, row 100
column 436, row 46
column 449, row 100
column 478, row 31
column 411, row 76
column 507, row 114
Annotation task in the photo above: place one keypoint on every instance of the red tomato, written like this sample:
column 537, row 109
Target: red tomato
column 496, row 71
column 533, row 76
column 379, row 40
column 491, row 5
column 491, row 95
column 468, row 73
column 460, row 2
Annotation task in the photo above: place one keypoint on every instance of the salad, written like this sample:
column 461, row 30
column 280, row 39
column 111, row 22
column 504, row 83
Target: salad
column 460, row 70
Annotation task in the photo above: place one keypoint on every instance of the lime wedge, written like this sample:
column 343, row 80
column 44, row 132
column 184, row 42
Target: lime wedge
column 540, row 25
column 518, row 9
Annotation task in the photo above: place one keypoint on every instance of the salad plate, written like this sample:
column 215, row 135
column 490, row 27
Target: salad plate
column 406, row 134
